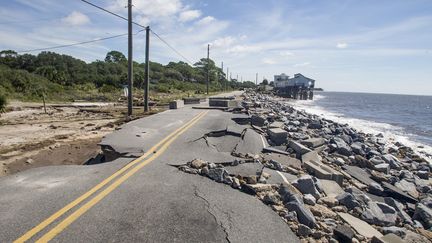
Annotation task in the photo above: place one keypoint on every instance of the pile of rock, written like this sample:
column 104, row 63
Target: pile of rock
column 328, row 181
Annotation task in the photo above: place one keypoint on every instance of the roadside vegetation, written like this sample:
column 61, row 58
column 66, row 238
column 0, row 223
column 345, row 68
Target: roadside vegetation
column 2, row 103
column 65, row 78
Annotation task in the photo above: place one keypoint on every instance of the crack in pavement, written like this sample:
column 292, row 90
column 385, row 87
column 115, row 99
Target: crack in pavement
column 196, row 193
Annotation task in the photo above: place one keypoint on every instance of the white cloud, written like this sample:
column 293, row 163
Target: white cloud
column 286, row 53
column 244, row 49
column 243, row 37
column 342, row 45
column 143, row 20
column 149, row 10
column 268, row 61
column 206, row 20
column 301, row 64
column 76, row 18
column 223, row 42
column 189, row 15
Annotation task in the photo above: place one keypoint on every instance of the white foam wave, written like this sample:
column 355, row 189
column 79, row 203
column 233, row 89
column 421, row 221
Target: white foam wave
column 391, row 133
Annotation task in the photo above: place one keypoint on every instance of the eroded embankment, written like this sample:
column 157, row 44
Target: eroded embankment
column 31, row 138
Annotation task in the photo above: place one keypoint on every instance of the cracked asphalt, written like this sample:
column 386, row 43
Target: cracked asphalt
column 158, row 203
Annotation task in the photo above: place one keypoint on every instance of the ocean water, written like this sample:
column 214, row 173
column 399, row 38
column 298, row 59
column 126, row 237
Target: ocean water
column 403, row 118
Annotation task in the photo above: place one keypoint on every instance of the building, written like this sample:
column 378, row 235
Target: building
column 298, row 87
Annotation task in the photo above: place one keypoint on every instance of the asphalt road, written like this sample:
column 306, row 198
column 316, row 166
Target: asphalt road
column 144, row 199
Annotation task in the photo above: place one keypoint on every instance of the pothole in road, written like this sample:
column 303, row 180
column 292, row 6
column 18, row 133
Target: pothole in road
column 222, row 141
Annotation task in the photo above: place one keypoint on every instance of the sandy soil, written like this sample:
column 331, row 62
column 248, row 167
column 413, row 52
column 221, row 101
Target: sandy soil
column 66, row 134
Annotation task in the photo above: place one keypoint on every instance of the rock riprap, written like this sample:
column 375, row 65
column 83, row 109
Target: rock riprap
column 327, row 181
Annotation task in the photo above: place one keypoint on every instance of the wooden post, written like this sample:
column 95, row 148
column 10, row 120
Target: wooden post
column 43, row 100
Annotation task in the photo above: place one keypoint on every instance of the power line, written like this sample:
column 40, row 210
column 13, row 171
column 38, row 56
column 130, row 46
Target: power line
column 158, row 36
column 76, row 44
column 106, row 10
column 171, row 47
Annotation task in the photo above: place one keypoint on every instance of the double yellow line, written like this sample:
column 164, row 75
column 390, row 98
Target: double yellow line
column 139, row 162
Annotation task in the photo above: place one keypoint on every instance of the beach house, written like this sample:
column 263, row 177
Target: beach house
column 298, row 87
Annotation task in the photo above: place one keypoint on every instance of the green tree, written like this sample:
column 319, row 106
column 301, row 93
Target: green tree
column 116, row 57
column 8, row 58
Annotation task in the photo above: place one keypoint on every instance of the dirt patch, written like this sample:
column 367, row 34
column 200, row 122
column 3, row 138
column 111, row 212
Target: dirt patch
column 65, row 134
column 73, row 153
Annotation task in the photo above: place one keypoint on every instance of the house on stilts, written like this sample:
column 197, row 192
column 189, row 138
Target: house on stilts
column 298, row 87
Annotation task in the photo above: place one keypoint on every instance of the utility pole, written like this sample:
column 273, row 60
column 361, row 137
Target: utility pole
column 208, row 67
column 256, row 79
column 237, row 78
column 147, row 71
column 222, row 67
column 130, row 63
column 227, row 76
column 223, row 77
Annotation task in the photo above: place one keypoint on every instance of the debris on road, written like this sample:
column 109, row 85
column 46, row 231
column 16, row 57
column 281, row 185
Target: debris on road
column 327, row 181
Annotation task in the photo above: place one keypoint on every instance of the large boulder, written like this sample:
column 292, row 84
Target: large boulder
column 306, row 185
column 315, row 125
column 358, row 148
column 401, row 232
column 304, row 215
column 384, row 168
column 400, row 209
column 380, row 214
column 217, row 174
column 423, row 214
column 341, row 146
column 293, row 202
column 343, row 233
column 288, row 192
column 198, row 163
column 376, row 189
column 407, row 187
column 392, row 161
column 347, row 199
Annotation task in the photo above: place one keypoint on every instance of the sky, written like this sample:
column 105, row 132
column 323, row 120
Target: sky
column 345, row 45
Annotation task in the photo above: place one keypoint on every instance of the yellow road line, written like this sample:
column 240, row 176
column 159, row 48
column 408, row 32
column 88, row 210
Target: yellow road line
column 84, row 208
column 72, row 204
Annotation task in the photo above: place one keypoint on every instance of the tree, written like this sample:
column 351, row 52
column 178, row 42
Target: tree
column 265, row 82
column 116, row 57
column 8, row 58
column 8, row 53
column 214, row 71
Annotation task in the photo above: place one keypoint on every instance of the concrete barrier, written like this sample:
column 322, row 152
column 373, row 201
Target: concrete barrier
column 189, row 101
column 223, row 103
column 176, row 104
column 222, row 98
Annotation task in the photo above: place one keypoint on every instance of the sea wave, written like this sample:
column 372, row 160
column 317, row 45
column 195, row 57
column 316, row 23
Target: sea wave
column 390, row 132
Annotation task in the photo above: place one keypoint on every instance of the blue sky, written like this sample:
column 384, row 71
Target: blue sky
column 345, row 45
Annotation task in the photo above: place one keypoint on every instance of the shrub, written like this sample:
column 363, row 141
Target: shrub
column 3, row 103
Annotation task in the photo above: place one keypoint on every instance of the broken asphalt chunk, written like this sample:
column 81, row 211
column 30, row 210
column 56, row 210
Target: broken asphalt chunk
column 277, row 135
column 312, row 163
column 360, row 226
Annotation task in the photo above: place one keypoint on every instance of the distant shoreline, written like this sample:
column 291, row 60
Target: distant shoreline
column 360, row 92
